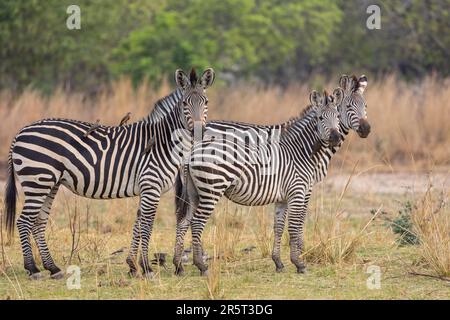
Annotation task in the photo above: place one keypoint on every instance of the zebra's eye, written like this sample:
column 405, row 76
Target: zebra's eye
column 320, row 118
column 184, row 103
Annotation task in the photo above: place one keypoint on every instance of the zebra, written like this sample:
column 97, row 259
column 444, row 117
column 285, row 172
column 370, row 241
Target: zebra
column 108, row 163
column 353, row 116
column 249, row 174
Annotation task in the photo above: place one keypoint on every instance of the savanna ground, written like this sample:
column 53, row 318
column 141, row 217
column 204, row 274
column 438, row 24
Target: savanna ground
column 397, row 178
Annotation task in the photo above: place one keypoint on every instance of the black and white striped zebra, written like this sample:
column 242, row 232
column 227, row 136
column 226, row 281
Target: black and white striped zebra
column 352, row 116
column 107, row 163
column 279, row 171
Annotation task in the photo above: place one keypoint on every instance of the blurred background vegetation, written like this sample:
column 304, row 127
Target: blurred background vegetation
column 268, row 42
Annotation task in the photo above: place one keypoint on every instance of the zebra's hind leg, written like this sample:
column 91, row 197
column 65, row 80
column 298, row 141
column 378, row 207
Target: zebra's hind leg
column 134, row 247
column 198, row 223
column 38, row 232
column 190, row 204
column 278, row 227
column 182, row 227
column 34, row 200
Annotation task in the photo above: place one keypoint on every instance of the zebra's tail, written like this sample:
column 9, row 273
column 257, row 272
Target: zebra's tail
column 10, row 198
column 179, row 197
column 185, row 194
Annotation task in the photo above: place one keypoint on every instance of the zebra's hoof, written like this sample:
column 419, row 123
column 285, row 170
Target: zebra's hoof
column 133, row 274
column 179, row 272
column 37, row 276
column 204, row 273
column 279, row 269
column 301, row 269
column 57, row 276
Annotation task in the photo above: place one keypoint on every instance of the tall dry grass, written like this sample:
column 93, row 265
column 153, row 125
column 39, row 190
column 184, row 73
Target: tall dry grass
column 409, row 121
column 431, row 224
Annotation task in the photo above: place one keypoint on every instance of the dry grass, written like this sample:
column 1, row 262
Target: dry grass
column 213, row 280
column 431, row 223
column 103, row 247
column 409, row 122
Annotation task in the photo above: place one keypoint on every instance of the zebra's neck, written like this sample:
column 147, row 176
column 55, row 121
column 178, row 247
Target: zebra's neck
column 302, row 136
column 164, row 106
column 325, row 155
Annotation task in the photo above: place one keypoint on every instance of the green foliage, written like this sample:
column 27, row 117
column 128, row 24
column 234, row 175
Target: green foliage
column 402, row 225
column 38, row 50
column 272, row 41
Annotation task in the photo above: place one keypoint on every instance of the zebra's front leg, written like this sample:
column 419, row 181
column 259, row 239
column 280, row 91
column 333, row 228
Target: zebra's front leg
column 296, row 219
column 302, row 214
column 134, row 246
column 278, row 227
column 148, row 204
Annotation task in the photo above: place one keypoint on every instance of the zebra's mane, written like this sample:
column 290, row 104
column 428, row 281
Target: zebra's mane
column 164, row 106
column 297, row 123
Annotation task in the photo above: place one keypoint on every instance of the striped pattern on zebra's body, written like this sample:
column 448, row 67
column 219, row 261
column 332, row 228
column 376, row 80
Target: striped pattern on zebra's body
column 352, row 116
column 257, row 174
column 103, row 163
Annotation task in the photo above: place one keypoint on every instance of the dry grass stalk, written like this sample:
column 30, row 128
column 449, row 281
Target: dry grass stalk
column 213, row 280
column 263, row 231
column 334, row 240
column 431, row 223
column 229, row 231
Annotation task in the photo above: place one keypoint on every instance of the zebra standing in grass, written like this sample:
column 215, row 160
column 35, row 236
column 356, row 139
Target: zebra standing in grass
column 252, row 175
column 352, row 116
column 110, row 162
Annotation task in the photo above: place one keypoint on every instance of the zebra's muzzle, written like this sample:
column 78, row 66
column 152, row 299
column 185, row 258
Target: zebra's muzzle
column 335, row 138
column 197, row 130
column 364, row 128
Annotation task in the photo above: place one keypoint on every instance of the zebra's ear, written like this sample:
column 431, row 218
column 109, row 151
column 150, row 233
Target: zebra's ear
column 354, row 83
column 315, row 98
column 181, row 79
column 344, row 82
column 338, row 96
column 362, row 84
column 207, row 78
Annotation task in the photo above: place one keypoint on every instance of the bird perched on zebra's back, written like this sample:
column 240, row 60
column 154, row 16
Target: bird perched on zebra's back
column 125, row 119
column 92, row 128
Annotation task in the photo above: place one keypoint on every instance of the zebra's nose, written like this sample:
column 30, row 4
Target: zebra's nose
column 364, row 128
column 197, row 130
column 335, row 137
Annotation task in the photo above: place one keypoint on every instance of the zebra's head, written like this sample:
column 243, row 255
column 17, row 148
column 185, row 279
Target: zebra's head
column 327, row 115
column 194, row 100
column 353, row 107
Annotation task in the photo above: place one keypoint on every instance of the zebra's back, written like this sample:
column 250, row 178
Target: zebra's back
column 99, row 165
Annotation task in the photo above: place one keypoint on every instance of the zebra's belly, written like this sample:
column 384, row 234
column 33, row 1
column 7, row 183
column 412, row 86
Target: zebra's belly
column 254, row 194
column 113, row 189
